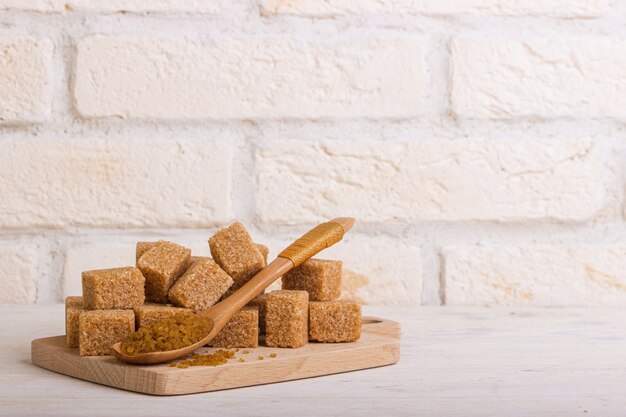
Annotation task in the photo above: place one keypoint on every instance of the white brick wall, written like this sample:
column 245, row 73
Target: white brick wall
column 25, row 93
column 18, row 282
column 546, row 78
column 277, row 77
column 104, row 183
column 32, row 5
column 479, row 143
column 561, row 8
column 535, row 275
column 468, row 179
column 195, row 6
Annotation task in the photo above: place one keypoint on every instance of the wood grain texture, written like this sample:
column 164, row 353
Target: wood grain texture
column 379, row 345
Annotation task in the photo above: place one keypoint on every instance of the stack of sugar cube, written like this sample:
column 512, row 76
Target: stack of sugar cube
column 307, row 308
column 167, row 279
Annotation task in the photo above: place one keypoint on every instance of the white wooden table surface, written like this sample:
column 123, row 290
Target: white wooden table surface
column 454, row 361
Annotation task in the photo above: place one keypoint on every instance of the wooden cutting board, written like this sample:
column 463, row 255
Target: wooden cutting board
column 379, row 345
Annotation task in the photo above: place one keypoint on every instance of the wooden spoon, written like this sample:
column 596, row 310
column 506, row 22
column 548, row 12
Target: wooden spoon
column 317, row 239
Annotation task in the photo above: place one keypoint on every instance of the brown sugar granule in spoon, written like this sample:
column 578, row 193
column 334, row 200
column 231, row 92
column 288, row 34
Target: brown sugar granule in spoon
column 175, row 332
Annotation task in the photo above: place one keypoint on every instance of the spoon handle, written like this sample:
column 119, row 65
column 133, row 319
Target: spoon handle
column 315, row 240
column 311, row 243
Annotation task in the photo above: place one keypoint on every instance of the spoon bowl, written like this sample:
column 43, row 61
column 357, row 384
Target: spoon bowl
column 160, row 357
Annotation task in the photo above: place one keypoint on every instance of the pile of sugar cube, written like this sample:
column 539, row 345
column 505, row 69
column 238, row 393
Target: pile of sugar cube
column 167, row 279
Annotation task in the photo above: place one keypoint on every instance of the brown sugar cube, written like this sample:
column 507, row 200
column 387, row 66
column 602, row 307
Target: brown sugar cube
column 321, row 278
column 73, row 301
column 241, row 331
column 150, row 312
column 101, row 329
column 73, row 308
column 259, row 302
column 201, row 285
column 233, row 250
column 162, row 265
column 286, row 318
column 116, row 288
column 265, row 251
column 334, row 321
column 72, row 315
column 143, row 247
column 193, row 259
